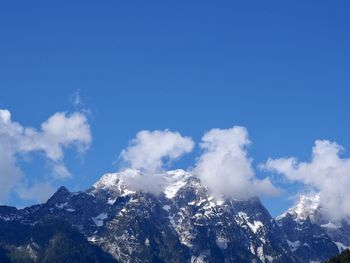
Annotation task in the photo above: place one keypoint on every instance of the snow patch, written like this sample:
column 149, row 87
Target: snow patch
column 98, row 220
column 61, row 206
column 92, row 239
column 293, row 245
column 166, row 208
column 146, row 242
column 260, row 252
column 126, row 192
column 111, row 201
column 255, row 226
column 175, row 181
column 221, row 242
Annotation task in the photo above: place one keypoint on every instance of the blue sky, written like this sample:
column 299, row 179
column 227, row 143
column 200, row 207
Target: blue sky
column 278, row 68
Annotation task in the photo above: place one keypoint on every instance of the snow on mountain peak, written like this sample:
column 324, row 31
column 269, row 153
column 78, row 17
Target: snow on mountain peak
column 306, row 207
column 106, row 181
column 114, row 182
column 176, row 179
column 130, row 180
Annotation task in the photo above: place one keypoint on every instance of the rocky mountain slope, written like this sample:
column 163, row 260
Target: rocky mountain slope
column 183, row 223
column 49, row 240
column 311, row 235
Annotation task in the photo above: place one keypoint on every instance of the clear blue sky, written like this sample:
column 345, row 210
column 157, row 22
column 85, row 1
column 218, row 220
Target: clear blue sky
column 279, row 68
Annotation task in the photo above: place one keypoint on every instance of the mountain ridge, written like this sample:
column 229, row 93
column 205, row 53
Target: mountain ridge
column 181, row 223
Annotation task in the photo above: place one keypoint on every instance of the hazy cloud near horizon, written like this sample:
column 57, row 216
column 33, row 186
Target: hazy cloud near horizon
column 56, row 134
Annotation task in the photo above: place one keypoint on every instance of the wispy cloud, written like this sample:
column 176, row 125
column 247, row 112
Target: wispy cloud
column 76, row 99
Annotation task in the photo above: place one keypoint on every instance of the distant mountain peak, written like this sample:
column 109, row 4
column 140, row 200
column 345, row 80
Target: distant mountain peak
column 306, row 207
column 63, row 189
column 60, row 193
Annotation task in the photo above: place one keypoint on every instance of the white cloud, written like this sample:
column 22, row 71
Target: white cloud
column 147, row 182
column 149, row 152
column 326, row 172
column 225, row 168
column 59, row 132
column 9, row 173
column 151, row 149
column 39, row 191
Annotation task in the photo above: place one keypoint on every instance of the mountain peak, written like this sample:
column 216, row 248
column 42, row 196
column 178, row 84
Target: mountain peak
column 175, row 180
column 130, row 223
column 122, row 182
column 62, row 189
column 306, row 207
column 61, row 194
column 107, row 180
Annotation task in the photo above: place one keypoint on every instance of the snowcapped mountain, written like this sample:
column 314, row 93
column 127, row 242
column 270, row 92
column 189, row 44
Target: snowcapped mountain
column 311, row 235
column 307, row 206
column 183, row 223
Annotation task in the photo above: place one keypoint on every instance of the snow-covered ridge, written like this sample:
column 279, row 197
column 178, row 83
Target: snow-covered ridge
column 175, row 180
column 306, row 207
column 121, row 182
column 109, row 180
column 99, row 219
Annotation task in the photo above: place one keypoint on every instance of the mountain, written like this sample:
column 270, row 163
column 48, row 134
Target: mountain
column 181, row 223
column 311, row 235
column 48, row 240
column 185, row 217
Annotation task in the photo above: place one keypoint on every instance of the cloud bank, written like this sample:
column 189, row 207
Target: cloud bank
column 326, row 172
column 56, row 134
column 148, row 153
column 225, row 168
column 224, row 165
